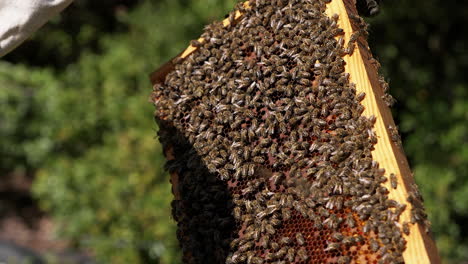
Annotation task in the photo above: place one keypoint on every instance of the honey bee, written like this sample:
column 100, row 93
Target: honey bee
column 300, row 239
column 257, row 260
column 291, row 254
column 302, row 253
column 286, row 214
column 393, row 180
column 274, row 246
column 344, row 260
column 270, row 91
column 337, row 236
column 332, row 246
column 285, row 240
column 282, row 252
column 388, row 100
column 245, row 247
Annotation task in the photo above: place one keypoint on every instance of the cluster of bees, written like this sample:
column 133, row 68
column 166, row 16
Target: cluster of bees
column 271, row 150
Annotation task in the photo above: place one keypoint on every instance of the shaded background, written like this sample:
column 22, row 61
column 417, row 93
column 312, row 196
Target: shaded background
column 81, row 170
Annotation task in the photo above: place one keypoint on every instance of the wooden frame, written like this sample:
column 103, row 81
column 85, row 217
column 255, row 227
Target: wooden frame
column 421, row 248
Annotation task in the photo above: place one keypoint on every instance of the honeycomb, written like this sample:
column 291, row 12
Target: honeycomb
column 265, row 137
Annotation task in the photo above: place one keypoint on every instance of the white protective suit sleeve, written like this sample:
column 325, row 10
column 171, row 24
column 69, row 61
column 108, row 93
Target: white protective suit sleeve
column 20, row 18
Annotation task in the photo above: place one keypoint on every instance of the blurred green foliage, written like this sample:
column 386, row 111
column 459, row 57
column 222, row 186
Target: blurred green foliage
column 74, row 113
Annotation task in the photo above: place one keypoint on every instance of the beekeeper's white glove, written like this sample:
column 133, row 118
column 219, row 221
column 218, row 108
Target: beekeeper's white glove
column 20, row 18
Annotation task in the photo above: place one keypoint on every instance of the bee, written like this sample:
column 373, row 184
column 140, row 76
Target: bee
column 331, row 222
column 417, row 214
column 270, row 256
column 337, row 236
column 394, row 136
column 285, row 240
column 255, row 234
column 237, row 258
column 275, row 222
column 384, row 249
column 292, row 131
column 373, row 245
column 237, row 213
column 302, row 253
column 274, row 246
column 360, row 96
column 251, row 169
column 300, row 239
column 270, row 230
column 282, row 252
column 286, row 214
column 393, row 180
column 245, row 247
column 291, row 254
column 388, row 99
column 300, row 208
column 257, row 260
column 358, row 239
column 350, row 47
column 311, row 214
column 265, row 241
column 387, row 258
column 344, row 260
column 318, row 223
column 367, row 227
column 349, row 241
